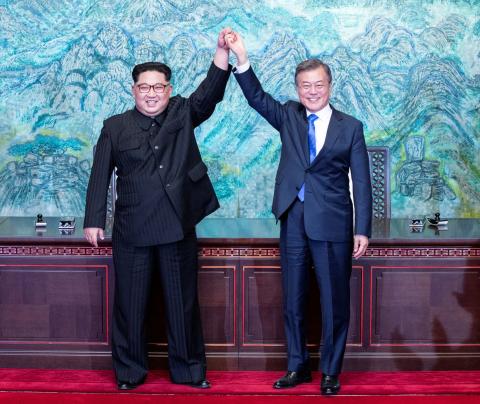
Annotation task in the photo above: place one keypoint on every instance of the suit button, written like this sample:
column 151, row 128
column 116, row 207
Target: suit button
column 153, row 123
column 155, row 147
column 160, row 166
column 168, row 185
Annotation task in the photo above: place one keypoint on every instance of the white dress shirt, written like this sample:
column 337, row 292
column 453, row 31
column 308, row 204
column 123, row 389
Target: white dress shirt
column 321, row 126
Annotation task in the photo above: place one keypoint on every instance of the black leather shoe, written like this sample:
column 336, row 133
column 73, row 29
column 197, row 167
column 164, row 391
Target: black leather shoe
column 202, row 384
column 330, row 385
column 123, row 385
column 291, row 379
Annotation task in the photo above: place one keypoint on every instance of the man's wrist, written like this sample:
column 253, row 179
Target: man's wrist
column 221, row 58
column 242, row 67
column 242, row 59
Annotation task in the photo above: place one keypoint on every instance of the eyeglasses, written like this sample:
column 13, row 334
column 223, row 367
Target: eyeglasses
column 309, row 86
column 157, row 88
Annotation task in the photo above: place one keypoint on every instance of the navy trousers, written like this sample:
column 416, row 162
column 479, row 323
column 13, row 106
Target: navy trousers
column 333, row 266
column 177, row 263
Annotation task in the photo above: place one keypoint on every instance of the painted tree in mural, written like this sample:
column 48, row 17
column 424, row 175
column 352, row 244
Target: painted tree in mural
column 409, row 70
column 44, row 175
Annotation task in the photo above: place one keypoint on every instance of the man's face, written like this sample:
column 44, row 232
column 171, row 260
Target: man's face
column 153, row 101
column 313, row 89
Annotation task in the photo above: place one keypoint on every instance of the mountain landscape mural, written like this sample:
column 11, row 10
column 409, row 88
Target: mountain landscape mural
column 409, row 70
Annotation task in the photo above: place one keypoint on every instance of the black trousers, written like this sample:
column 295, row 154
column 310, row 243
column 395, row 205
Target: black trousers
column 333, row 267
column 178, row 265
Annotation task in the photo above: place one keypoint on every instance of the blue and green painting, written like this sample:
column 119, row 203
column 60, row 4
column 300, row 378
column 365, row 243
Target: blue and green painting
column 409, row 69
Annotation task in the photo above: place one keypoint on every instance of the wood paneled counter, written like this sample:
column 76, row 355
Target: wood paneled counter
column 415, row 298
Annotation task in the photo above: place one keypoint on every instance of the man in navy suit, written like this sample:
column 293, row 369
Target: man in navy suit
column 320, row 146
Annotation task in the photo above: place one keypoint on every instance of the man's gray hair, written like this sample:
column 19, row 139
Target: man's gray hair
column 312, row 64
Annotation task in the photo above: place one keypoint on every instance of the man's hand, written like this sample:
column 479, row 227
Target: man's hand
column 221, row 54
column 221, row 43
column 360, row 244
column 92, row 234
column 236, row 45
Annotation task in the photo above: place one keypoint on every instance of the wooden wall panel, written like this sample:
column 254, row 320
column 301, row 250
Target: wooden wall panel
column 413, row 307
column 262, row 306
column 355, row 331
column 217, row 297
column 263, row 313
column 53, row 303
column 425, row 305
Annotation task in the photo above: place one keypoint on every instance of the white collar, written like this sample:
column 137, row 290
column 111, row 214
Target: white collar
column 324, row 113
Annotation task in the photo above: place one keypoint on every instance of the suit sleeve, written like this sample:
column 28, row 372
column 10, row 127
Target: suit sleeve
column 362, row 187
column 258, row 99
column 208, row 94
column 97, row 191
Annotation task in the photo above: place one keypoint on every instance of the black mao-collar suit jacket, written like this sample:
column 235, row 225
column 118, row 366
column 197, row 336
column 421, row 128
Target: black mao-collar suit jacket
column 156, row 174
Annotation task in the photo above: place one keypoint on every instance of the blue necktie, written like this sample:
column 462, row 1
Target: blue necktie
column 312, row 148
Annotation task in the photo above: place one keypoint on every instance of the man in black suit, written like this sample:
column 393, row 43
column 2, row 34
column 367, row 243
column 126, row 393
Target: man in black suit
column 320, row 145
column 163, row 191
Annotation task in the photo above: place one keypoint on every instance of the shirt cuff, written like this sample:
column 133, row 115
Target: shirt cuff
column 242, row 68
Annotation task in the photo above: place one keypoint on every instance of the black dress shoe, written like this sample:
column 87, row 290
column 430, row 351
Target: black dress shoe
column 330, row 385
column 123, row 385
column 202, row 384
column 291, row 379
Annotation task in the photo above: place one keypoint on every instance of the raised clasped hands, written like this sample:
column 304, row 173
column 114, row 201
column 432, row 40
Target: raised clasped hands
column 222, row 52
column 229, row 40
column 235, row 43
column 221, row 42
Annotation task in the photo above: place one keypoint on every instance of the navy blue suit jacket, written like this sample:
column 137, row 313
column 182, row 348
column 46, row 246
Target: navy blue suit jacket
column 328, row 206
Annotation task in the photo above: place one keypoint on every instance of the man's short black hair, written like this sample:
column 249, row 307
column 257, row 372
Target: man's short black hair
column 151, row 66
column 312, row 64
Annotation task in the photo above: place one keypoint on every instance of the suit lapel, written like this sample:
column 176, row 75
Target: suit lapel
column 302, row 143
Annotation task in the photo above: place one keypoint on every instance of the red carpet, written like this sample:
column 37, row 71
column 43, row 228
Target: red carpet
column 108, row 398
column 244, row 383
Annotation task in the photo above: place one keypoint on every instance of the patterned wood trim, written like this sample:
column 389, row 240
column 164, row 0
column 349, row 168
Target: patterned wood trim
column 50, row 250
column 372, row 252
column 247, row 252
column 244, row 252
column 422, row 252
column 208, row 252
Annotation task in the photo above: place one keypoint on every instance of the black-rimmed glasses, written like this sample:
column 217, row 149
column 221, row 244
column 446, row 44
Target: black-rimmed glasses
column 157, row 88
